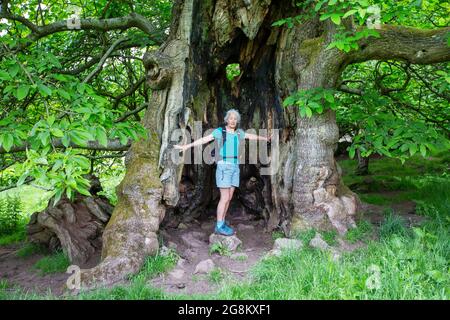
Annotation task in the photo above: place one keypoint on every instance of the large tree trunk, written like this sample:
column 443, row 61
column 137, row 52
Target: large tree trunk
column 188, row 78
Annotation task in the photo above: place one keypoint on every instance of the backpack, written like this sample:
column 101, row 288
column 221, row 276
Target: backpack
column 224, row 139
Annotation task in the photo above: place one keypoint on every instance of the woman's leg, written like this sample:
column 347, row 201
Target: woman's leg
column 222, row 206
column 230, row 196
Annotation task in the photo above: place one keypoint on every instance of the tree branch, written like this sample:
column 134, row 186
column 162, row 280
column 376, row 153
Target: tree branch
column 122, row 23
column 414, row 45
column 126, row 115
column 103, row 59
column 113, row 145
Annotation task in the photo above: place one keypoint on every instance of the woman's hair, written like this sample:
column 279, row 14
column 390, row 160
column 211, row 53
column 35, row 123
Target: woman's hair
column 229, row 112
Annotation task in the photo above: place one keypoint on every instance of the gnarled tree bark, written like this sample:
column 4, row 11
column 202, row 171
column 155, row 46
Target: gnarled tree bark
column 188, row 78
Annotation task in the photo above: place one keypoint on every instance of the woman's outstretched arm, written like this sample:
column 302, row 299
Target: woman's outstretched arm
column 197, row 142
column 250, row 136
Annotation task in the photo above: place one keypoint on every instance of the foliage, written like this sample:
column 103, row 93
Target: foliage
column 220, row 249
column 10, row 215
column 57, row 99
column 232, row 71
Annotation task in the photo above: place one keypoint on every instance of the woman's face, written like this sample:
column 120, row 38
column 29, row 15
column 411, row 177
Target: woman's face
column 232, row 120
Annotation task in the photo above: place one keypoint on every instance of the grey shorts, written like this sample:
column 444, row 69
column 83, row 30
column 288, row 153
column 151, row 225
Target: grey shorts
column 227, row 174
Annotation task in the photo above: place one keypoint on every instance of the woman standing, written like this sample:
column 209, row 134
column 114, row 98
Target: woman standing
column 227, row 172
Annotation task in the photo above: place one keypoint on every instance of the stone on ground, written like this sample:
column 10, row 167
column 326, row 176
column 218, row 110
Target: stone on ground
column 229, row 242
column 286, row 243
column 204, row 266
column 193, row 239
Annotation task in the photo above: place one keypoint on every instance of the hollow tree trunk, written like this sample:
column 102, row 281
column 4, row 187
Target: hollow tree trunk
column 188, row 78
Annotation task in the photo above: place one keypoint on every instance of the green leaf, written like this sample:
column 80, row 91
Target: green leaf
column 349, row 13
column 351, row 153
column 412, row 149
column 22, row 179
column 101, row 136
column 69, row 193
column 123, row 138
column 58, row 194
column 362, row 12
column 319, row 5
column 44, row 90
column 50, row 120
column 336, row 18
column 65, row 140
column 308, row 112
column 329, row 97
column 77, row 138
column 4, row 75
column 44, row 137
column 22, row 91
column 8, row 141
column 83, row 191
column 423, row 150
column 64, row 94
column 57, row 132
column 13, row 70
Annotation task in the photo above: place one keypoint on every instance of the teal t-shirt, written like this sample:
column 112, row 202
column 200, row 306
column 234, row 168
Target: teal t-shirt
column 231, row 144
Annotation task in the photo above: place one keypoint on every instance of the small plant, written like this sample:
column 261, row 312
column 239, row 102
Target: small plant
column 56, row 263
column 10, row 214
column 392, row 225
column 216, row 275
column 220, row 249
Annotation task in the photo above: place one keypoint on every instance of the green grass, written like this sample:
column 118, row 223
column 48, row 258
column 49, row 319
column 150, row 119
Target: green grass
column 329, row 237
column 220, row 249
column 216, row 275
column 30, row 249
column 407, row 272
column 362, row 231
column 55, row 263
column 16, row 237
column 412, row 263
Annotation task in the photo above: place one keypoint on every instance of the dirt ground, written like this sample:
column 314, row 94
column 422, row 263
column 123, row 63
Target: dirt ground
column 191, row 242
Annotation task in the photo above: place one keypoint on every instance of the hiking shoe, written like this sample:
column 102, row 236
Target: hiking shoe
column 224, row 230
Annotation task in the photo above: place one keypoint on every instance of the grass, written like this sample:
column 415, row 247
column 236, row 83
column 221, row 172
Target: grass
column 220, row 249
column 329, row 237
column 403, row 263
column 30, row 249
column 362, row 231
column 216, row 275
column 55, row 263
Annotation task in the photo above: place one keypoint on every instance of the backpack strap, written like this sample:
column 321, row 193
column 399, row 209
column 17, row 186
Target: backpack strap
column 224, row 138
